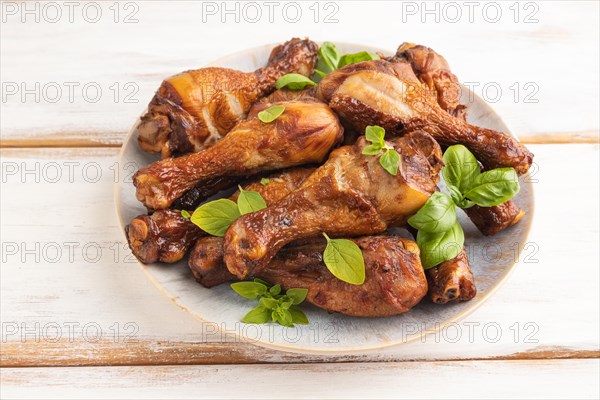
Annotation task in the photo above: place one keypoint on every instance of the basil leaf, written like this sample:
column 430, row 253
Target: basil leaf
column 275, row 290
column 285, row 302
column 249, row 290
column 320, row 74
column 439, row 247
column 494, row 187
column 250, row 201
column 455, row 193
column 283, row 317
column 461, row 167
column 268, row 303
column 344, row 260
column 265, row 181
column 372, row 150
column 375, row 134
column 215, row 216
column 389, row 161
column 298, row 317
column 185, row 214
column 267, row 284
column 297, row 295
column 270, row 114
column 329, row 57
column 347, row 59
column 465, row 203
column 438, row 214
column 258, row 315
column 294, row 82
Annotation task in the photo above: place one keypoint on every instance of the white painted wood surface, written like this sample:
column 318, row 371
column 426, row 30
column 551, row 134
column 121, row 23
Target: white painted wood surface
column 553, row 62
column 555, row 379
column 52, row 307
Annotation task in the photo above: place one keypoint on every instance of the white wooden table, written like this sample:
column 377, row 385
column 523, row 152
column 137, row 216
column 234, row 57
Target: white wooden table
column 83, row 317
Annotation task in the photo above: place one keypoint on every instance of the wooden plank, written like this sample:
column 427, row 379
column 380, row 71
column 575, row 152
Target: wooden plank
column 98, row 305
column 547, row 379
column 522, row 59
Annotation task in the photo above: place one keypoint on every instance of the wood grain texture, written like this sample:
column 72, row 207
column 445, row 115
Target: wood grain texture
column 546, row 379
column 542, row 77
column 545, row 310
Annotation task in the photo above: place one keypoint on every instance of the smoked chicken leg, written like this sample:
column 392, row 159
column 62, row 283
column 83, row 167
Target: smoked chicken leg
column 451, row 281
column 166, row 235
column 350, row 195
column 305, row 133
column 394, row 278
column 194, row 109
column 389, row 94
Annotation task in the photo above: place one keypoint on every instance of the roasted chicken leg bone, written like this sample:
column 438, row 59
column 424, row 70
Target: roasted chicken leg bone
column 303, row 134
column 394, row 281
column 389, row 94
column 166, row 235
column 451, row 281
column 350, row 195
column 194, row 109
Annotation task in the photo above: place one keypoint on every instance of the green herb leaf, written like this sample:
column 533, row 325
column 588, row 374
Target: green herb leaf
column 329, row 57
column 250, row 201
column 438, row 214
column 372, row 150
column 267, row 284
column 249, row 290
column 389, row 161
column 215, row 216
column 283, row 317
column 439, row 247
column 258, row 315
column 298, row 317
column 294, row 82
column 354, row 58
column 461, row 167
column 268, row 302
column 320, row 74
column 185, row 214
column 493, row 187
column 297, row 295
column 375, row 134
column 275, row 290
column 271, row 114
column 265, row 181
column 454, row 193
column 344, row 260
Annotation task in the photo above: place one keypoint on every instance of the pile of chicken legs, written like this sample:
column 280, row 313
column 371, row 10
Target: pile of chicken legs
column 319, row 180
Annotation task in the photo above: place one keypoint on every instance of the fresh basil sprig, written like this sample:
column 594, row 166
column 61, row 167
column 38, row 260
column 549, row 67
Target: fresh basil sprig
column 389, row 158
column 330, row 58
column 440, row 236
column 293, row 82
column 271, row 114
column 216, row 216
column 344, row 260
column 438, row 247
column 273, row 305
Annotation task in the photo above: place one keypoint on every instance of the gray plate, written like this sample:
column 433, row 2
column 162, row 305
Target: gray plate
column 220, row 309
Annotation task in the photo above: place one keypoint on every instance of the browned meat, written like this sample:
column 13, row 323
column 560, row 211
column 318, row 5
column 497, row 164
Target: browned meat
column 166, row 236
column 451, row 281
column 350, row 195
column 303, row 134
column 491, row 220
column 434, row 73
column 194, row 109
column 394, row 282
column 389, row 94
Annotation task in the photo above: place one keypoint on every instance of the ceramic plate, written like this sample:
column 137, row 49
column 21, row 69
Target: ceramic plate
column 220, row 309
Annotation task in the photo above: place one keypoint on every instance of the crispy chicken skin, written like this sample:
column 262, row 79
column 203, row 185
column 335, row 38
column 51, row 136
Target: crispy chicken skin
column 394, row 278
column 389, row 94
column 491, row 220
column 166, row 236
column 304, row 134
column 350, row 195
column 451, row 281
column 194, row 109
